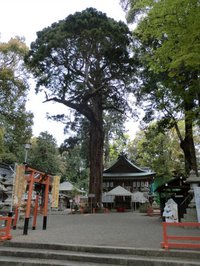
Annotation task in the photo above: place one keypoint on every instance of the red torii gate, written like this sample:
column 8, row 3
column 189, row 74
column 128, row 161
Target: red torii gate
column 34, row 176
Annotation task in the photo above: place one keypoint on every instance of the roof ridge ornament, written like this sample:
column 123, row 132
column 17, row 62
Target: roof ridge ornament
column 123, row 154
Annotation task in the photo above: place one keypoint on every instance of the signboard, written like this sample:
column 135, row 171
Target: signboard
column 91, row 196
column 19, row 185
column 197, row 201
column 55, row 191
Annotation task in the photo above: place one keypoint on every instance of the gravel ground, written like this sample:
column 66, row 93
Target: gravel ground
column 128, row 229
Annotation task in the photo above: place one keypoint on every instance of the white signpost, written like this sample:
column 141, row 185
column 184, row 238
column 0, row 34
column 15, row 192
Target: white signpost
column 171, row 211
column 197, row 201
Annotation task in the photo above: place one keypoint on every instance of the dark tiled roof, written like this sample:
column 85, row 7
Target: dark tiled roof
column 125, row 168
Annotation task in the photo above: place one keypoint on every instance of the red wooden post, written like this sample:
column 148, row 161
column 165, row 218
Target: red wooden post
column 165, row 235
column 35, row 212
column 28, row 207
column 8, row 227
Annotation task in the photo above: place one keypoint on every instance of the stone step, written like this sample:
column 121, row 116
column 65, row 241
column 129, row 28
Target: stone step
column 191, row 254
column 14, row 261
column 48, row 254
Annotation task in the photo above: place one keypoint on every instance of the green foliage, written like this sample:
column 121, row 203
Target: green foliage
column 76, row 168
column 169, row 50
column 114, row 136
column 44, row 154
column 175, row 25
column 81, row 58
column 159, row 151
column 15, row 121
column 169, row 33
column 13, row 75
column 75, row 152
column 2, row 148
column 118, row 144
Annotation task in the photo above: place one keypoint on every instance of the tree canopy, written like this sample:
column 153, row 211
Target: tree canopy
column 15, row 121
column 168, row 42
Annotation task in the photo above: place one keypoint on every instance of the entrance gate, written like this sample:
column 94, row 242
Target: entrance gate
column 42, row 179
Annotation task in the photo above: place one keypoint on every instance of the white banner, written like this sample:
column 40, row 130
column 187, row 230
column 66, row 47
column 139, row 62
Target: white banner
column 197, row 201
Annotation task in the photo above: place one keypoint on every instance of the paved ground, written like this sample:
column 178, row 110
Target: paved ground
column 129, row 229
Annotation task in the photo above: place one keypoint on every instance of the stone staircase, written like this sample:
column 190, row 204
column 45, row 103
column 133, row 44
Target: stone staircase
column 31, row 254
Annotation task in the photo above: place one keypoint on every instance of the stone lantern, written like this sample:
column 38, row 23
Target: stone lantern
column 191, row 212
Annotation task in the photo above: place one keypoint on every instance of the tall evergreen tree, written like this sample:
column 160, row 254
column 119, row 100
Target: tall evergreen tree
column 84, row 63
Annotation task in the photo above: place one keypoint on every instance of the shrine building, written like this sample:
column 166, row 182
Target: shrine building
column 126, row 174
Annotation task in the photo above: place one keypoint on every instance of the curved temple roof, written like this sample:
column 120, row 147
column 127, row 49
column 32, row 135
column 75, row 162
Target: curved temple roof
column 125, row 168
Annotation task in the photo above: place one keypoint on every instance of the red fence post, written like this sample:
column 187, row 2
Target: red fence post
column 8, row 227
column 6, row 230
column 165, row 235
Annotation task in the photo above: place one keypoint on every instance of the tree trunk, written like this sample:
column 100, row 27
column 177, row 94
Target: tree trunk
column 187, row 145
column 96, row 149
column 188, row 148
column 106, row 150
column 96, row 162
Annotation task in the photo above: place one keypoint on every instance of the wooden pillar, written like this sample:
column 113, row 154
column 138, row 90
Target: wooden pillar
column 28, row 206
column 46, row 199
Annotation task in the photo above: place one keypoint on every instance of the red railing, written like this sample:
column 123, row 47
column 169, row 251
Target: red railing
column 153, row 212
column 180, row 241
column 5, row 222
